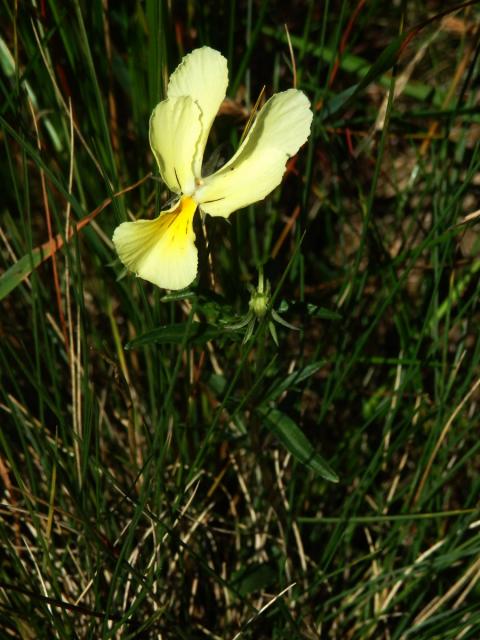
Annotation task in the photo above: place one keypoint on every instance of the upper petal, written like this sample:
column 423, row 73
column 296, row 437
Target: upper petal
column 280, row 129
column 202, row 75
column 175, row 131
column 163, row 250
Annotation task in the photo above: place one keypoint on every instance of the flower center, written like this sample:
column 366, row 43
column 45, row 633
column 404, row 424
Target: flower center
column 186, row 207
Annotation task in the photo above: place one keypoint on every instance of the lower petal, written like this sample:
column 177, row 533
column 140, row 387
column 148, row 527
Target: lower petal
column 163, row 250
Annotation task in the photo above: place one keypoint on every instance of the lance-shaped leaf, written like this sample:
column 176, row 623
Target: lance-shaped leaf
column 296, row 442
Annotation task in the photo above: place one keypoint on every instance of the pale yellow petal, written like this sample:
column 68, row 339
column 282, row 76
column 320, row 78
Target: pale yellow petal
column 163, row 250
column 280, row 129
column 175, row 131
column 202, row 75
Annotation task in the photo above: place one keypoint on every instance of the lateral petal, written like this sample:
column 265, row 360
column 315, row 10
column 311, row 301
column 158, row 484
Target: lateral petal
column 280, row 129
column 162, row 250
column 202, row 75
column 175, row 132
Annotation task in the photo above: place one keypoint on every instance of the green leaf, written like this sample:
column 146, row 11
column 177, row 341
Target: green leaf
column 198, row 333
column 254, row 577
column 297, row 443
column 338, row 102
column 184, row 294
column 323, row 313
column 217, row 383
column 310, row 309
column 277, row 388
column 18, row 271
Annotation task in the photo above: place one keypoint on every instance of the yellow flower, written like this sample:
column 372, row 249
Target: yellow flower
column 163, row 250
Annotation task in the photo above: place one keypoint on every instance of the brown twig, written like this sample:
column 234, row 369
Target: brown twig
column 344, row 40
column 48, row 249
column 285, row 231
column 56, row 280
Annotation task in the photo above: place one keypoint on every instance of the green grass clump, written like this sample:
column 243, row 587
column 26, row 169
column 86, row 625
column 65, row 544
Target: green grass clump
column 162, row 477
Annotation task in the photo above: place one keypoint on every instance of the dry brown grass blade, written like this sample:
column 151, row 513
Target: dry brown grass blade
column 48, row 249
column 428, row 611
column 440, row 440
column 48, row 219
column 252, row 115
column 458, row 75
column 344, row 39
column 292, row 57
column 468, row 218
column 112, row 105
column 285, row 231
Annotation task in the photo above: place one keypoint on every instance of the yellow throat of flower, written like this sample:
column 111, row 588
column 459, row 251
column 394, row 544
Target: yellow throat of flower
column 177, row 224
column 161, row 250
